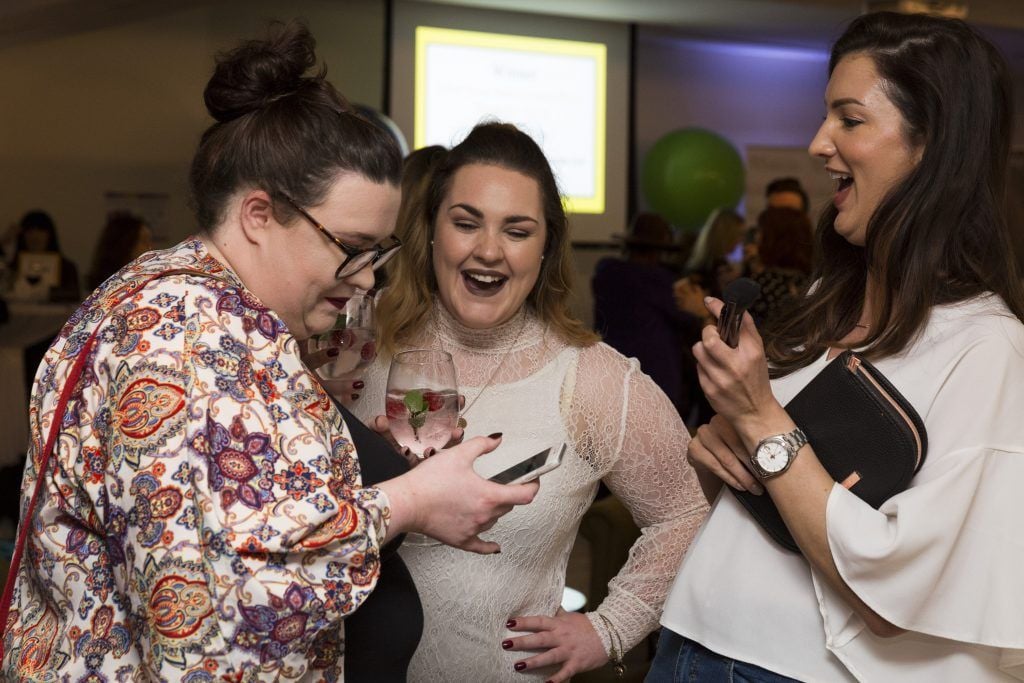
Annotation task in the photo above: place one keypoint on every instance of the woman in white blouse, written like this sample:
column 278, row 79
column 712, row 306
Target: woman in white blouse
column 484, row 274
column 916, row 272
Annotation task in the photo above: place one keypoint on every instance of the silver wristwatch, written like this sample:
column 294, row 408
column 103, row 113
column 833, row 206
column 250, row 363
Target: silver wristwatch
column 774, row 454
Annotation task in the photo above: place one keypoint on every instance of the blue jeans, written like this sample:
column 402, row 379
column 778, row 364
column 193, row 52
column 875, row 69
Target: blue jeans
column 679, row 660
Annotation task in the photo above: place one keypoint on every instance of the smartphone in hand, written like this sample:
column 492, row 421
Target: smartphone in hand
column 531, row 467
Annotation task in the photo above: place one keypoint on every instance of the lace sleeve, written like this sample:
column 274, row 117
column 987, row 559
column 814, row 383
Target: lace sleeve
column 621, row 419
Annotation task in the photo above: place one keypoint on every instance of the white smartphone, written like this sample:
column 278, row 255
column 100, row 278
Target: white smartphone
column 531, row 467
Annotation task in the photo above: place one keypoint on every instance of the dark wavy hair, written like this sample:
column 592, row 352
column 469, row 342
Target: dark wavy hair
column 940, row 235
column 405, row 304
column 281, row 130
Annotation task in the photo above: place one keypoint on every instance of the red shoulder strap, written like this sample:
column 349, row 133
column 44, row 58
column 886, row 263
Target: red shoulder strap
column 42, row 466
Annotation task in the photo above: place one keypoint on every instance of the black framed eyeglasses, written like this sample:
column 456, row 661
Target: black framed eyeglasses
column 355, row 259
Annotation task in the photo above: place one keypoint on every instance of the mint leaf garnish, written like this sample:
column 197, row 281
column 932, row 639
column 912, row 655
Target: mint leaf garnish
column 417, row 406
column 414, row 401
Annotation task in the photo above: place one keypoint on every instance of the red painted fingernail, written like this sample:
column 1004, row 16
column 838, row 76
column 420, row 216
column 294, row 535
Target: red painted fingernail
column 358, row 384
column 511, row 623
column 333, row 353
column 495, row 435
column 506, row 644
column 520, row 666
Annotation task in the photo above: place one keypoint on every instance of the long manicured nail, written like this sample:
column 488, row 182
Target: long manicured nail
column 511, row 623
column 358, row 384
column 506, row 644
column 520, row 666
column 495, row 435
column 333, row 353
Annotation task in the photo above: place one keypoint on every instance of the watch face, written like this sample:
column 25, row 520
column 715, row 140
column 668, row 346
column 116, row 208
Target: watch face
column 772, row 456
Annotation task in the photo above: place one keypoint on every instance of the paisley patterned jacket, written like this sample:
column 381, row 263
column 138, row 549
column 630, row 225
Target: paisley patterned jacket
column 202, row 517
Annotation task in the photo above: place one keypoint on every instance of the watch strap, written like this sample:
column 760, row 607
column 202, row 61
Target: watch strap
column 796, row 439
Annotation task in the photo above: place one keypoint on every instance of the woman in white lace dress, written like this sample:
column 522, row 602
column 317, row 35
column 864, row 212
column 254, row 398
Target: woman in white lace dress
column 485, row 275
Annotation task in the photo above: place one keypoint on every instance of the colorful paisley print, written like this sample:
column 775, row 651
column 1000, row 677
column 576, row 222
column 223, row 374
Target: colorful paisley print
column 178, row 606
column 203, row 519
column 146, row 405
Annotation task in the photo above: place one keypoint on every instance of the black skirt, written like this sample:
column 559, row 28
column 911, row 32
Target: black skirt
column 381, row 636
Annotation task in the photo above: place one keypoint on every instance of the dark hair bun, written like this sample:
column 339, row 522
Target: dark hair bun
column 257, row 72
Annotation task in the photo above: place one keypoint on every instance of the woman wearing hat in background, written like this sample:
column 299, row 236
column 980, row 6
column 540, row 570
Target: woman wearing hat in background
column 634, row 309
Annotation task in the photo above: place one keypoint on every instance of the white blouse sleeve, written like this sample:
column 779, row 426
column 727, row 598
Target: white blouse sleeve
column 621, row 419
column 945, row 557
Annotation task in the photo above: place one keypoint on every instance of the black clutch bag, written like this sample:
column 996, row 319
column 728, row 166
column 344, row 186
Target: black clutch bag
column 866, row 435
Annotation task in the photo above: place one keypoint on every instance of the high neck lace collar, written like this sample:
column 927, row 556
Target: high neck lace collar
column 520, row 331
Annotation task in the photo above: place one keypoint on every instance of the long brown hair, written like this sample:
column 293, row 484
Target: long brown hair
column 405, row 305
column 720, row 234
column 786, row 239
column 940, row 235
column 116, row 247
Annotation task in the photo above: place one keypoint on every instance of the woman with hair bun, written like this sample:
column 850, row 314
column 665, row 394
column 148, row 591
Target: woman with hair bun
column 194, row 507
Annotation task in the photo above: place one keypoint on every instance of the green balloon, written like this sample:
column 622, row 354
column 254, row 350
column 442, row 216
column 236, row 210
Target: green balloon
column 689, row 173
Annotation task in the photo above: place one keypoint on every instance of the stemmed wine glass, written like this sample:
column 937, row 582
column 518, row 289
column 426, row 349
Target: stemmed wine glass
column 422, row 401
column 353, row 335
column 422, row 406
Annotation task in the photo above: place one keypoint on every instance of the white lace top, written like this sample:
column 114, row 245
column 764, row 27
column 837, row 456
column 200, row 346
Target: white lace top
column 619, row 427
